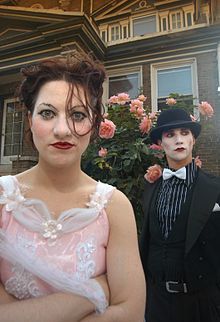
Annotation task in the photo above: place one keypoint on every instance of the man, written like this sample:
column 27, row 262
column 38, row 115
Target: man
column 180, row 240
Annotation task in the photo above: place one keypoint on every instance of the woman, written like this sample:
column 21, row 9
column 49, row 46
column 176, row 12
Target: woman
column 68, row 243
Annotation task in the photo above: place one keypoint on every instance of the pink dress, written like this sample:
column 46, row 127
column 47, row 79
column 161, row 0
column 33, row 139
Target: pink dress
column 39, row 255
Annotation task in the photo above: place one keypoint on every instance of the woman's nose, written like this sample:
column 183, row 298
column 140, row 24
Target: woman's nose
column 62, row 127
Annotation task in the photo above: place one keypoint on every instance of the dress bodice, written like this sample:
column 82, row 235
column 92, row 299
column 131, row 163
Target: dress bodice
column 74, row 245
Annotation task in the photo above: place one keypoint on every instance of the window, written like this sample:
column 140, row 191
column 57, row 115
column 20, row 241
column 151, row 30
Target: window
column 12, row 131
column 124, row 83
column 175, row 77
column 127, row 80
column 114, row 32
column 104, row 35
column 144, row 25
column 176, row 20
column 189, row 19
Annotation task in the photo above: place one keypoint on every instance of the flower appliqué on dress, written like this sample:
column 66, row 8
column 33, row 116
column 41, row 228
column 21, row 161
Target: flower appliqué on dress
column 11, row 200
column 97, row 200
column 51, row 229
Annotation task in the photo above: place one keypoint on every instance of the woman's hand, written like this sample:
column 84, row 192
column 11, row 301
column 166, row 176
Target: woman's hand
column 102, row 280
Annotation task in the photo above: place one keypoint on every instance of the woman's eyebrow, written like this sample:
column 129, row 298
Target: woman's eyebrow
column 48, row 105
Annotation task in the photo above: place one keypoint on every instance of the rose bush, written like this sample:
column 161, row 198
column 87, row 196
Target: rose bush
column 123, row 154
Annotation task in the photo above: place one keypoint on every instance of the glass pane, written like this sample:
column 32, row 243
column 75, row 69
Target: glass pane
column 15, row 149
column 17, row 116
column 184, row 101
column 8, row 127
column 8, row 138
column 145, row 25
column 174, row 80
column 17, row 127
column 13, row 128
column 10, row 107
column 7, row 150
column 125, row 83
column 189, row 19
column 164, row 24
column 9, row 118
column 16, row 138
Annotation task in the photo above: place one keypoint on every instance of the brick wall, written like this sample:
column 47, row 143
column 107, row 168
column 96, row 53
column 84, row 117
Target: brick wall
column 208, row 144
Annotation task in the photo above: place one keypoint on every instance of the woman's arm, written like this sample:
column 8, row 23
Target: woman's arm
column 57, row 307
column 124, row 270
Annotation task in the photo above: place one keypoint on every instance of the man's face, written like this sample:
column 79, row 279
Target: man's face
column 178, row 145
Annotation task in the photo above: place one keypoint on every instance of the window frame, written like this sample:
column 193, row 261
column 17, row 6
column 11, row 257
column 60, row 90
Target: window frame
column 121, row 72
column 174, row 64
column 141, row 17
column 7, row 159
column 114, row 26
column 181, row 19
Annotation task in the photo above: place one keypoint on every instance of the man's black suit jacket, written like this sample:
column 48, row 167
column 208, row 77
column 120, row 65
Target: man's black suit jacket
column 202, row 245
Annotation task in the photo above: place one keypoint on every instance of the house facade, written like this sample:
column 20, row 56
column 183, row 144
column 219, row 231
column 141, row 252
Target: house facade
column 158, row 47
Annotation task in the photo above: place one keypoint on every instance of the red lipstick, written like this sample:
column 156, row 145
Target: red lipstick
column 62, row 145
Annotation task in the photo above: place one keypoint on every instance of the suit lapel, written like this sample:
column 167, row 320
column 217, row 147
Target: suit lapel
column 204, row 197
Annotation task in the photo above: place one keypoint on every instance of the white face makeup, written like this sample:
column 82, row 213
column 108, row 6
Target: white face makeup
column 60, row 138
column 178, row 145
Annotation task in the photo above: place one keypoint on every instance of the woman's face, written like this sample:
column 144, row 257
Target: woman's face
column 58, row 137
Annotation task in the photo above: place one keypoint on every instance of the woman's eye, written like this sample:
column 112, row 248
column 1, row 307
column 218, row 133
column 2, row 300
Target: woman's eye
column 47, row 114
column 78, row 116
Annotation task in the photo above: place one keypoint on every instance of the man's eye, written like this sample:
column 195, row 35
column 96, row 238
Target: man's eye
column 47, row 114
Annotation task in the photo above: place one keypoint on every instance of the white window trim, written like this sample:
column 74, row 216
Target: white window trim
column 5, row 159
column 110, row 31
column 188, row 9
column 163, row 15
column 174, row 64
column 124, row 24
column 104, row 29
column 181, row 17
column 120, row 72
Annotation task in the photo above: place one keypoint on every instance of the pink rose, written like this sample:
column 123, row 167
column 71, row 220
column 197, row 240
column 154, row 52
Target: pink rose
column 142, row 98
column 152, row 116
column 170, row 101
column 123, row 98
column 107, row 129
column 153, row 173
column 206, row 109
column 136, row 103
column 198, row 162
column 103, row 152
column 145, row 125
column 113, row 99
column 156, row 147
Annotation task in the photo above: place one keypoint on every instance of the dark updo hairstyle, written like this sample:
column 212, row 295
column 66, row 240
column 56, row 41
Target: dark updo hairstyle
column 79, row 70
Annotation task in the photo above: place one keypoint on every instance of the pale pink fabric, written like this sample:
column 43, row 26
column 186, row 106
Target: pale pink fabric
column 77, row 246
